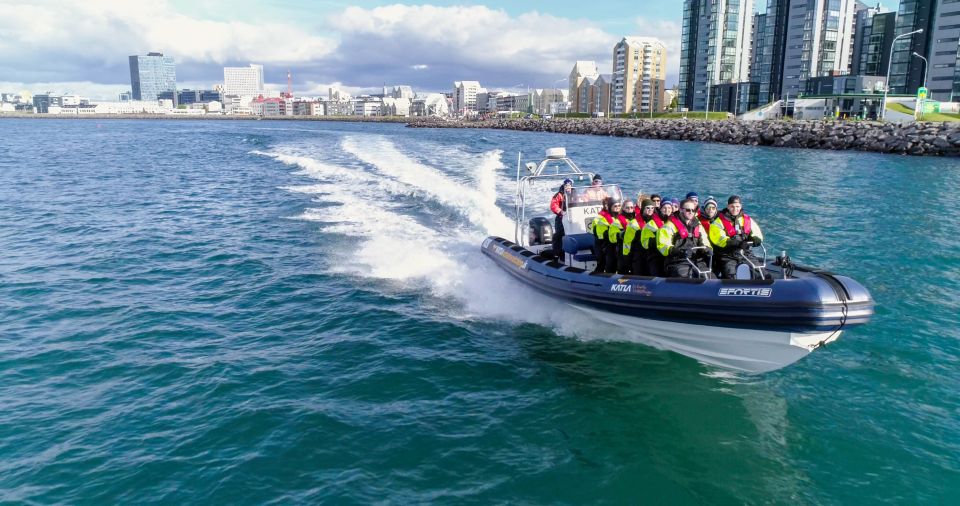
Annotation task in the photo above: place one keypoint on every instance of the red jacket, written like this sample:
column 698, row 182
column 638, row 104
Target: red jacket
column 557, row 203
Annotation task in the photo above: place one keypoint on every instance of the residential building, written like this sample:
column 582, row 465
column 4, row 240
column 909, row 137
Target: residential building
column 803, row 40
column 943, row 52
column 152, row 75
column 585, row 95
column 639, row 75
column 770, row 71
column 188, row 96
column 715, row 47
column 366, row 106
column 844, row 84
column 543, row 99
column 817, row 42
column 395, row 107
column 243, row 81
column 581, row 71
column 430, row 104
column 601, row 95
column 939, row 43
column 403, row 91
column 465, row 97
column 872, row 39
column 735, row 98
column 272, row 106
column 758, row 30
column 308, row 108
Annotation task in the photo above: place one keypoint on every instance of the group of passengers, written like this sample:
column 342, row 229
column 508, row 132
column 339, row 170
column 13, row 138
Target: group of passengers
column 667, row 237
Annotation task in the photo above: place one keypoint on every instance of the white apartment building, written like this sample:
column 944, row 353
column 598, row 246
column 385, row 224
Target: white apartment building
column 243, row 81
column 639, row 75
column 582, row 70
column 465, row 97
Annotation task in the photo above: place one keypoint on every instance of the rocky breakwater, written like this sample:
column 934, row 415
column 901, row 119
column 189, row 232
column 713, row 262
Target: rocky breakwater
column 934, row 139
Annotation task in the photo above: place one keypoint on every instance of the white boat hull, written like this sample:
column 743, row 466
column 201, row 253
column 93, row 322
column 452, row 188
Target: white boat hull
column 748, row 350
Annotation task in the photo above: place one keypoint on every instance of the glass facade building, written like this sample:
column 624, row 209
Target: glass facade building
column 874, row 35
column 152, row 75
column 715, row 47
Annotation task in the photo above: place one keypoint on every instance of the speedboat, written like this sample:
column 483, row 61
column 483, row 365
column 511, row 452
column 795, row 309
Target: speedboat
column 777, row 314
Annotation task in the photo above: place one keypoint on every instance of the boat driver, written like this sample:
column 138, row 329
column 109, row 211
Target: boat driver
column 733, row 233
column 558, row 205
column 595, row 193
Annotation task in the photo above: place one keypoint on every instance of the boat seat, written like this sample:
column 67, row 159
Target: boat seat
column 580, row 246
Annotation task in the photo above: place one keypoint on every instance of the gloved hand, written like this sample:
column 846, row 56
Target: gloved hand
column 757, row 241
column 735, row 242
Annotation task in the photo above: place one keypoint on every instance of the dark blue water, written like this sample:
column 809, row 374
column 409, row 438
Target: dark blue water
column 252, row 312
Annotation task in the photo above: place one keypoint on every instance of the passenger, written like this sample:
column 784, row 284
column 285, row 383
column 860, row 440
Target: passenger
column 558, row 205
column 613, row 238
column 708, row 212
column 733, row 232
column 599, row 228
column 656, row 200
column 627, row 216
column 678, row 239
column 696, row 199
column 676, row 207
column 652, row 260
column 666, row 209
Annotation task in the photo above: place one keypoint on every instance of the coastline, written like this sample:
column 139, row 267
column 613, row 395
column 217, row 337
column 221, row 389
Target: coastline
column 210, row 117
column 918, row 139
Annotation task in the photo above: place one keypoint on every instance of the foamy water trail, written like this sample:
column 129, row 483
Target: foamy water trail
column 469, row 202
column 422, row 254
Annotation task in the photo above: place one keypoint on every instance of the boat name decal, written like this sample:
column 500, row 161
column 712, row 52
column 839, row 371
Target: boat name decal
column 746, row 292
column 521, row 264
column 623, row 287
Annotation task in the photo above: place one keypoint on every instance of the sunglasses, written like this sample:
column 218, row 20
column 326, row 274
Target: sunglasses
column 689, row 210
column 628, row 208
column 649, row 207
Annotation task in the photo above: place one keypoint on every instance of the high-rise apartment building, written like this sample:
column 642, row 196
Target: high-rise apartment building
column 939, row 44
column 715, row 47
column 817, row 42
column 243, row 81
column 758, row 29
column 803, row 39
column 943, row 52
column 152, row 75
column 872, row 38
column 639, row 75
column 581, row 70
column 465, row 97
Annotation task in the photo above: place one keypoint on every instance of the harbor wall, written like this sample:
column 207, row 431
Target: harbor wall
column 932, row 139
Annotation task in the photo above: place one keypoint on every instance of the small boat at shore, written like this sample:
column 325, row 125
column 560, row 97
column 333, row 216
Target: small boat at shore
column 777, row 316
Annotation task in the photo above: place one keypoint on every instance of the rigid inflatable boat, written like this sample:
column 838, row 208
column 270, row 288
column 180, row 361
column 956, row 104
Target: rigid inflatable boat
column 777, row 315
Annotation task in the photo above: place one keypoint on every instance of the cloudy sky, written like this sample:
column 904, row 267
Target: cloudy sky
column 81, row 46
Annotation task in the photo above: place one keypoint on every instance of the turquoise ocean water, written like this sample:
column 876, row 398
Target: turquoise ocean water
column 284, row 312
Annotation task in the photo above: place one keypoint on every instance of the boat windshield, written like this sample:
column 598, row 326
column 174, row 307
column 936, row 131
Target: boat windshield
column 593, row 195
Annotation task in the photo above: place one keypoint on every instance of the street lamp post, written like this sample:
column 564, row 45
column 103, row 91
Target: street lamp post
column 926, row 67
column 886, row 84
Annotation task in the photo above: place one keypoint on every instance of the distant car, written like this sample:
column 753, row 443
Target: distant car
column 547, row 116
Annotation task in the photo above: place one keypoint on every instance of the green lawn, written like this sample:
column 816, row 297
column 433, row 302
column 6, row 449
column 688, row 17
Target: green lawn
column 929, row 116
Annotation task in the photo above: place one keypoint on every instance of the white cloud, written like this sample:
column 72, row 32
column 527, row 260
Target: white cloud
column 475, row 37
column 426, row 46
column 94, row 91
column 670, row 33
column 45, row 33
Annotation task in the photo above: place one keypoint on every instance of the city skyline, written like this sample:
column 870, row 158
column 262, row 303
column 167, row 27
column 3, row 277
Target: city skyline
column 356, row 47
